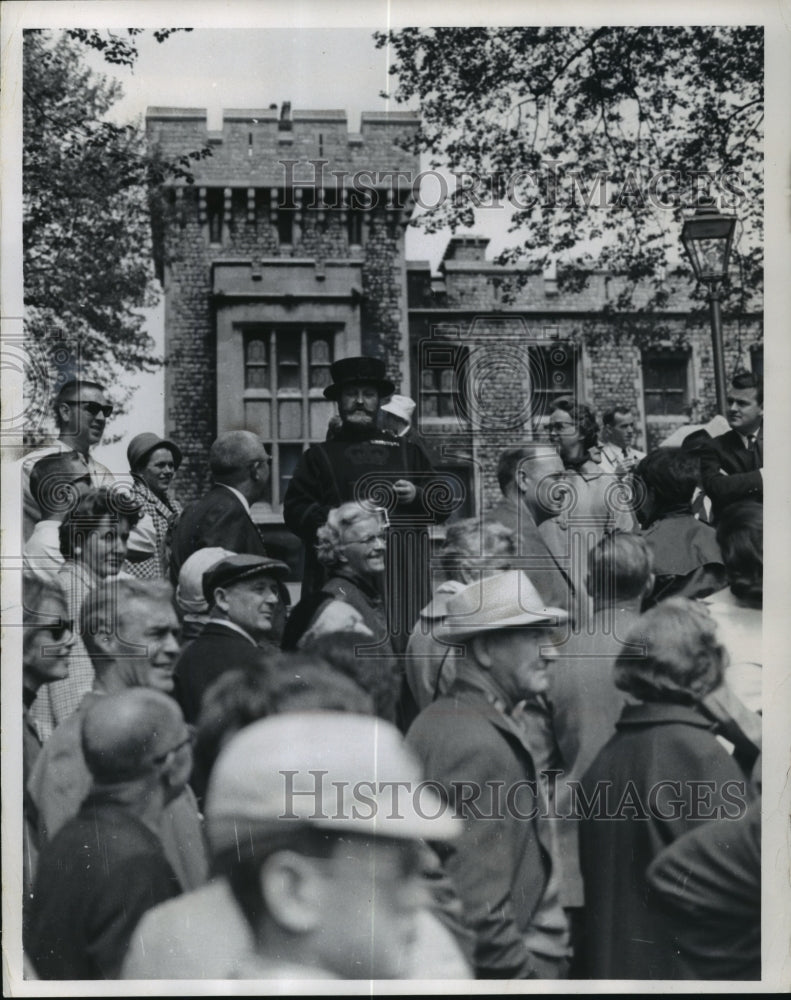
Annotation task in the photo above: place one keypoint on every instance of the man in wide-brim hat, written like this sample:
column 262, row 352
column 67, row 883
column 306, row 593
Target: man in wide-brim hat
column 471, row 745
column 364, row 463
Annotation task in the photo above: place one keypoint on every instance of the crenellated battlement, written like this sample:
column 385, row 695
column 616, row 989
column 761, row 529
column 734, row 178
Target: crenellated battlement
column 271, row 147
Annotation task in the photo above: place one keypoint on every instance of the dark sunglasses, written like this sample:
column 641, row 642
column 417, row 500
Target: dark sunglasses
column 61, row 631
column 93, row 408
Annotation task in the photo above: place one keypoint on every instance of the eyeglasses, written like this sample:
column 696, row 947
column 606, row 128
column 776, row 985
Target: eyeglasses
column 93, row 408
column 369, row 540
column 557, row 427
column 60, row 632
column 189, row 739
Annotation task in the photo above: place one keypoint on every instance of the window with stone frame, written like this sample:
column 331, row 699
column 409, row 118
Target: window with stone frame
column 441, row 380
column 666, row 382
column 553, row 371
column 286, row 369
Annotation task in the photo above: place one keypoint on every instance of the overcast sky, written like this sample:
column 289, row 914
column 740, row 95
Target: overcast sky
column 280, row 54
column 333, row 68
column 217, row 68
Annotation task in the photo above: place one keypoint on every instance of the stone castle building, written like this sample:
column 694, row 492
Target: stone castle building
column 287, row 253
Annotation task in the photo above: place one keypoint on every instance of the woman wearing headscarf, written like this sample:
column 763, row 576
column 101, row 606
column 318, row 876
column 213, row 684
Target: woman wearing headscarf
column 663, row 773
column 153, row 462
column 191, row 604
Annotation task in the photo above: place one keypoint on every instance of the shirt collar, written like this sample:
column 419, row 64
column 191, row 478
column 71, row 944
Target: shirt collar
column 236, row 628
column 746, row 437
column 471, row 676
column 239, row 496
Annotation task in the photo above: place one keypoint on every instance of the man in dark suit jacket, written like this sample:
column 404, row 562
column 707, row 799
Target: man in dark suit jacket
column 243, row 594
column 732, row 463
column 240, row 469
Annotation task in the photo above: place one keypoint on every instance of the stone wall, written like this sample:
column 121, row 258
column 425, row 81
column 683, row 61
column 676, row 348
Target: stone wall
column 265, row 166
column 469, row 303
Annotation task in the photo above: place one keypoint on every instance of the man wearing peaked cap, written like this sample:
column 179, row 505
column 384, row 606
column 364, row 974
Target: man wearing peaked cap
column 243, row 593
column 190, row 599
column 363, row 462
column 471, row 742
column 322, row 859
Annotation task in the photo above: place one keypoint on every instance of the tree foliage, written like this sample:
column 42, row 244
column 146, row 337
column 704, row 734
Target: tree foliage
column 86, row 227
column 598, row 139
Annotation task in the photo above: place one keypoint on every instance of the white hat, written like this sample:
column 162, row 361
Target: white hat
column 505, row 600
column 400, row 406
column 189, row 592
column 716, row 426
column 334, row 770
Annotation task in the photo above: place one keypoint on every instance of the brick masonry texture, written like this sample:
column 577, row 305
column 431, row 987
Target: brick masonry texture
column 261, row 154
column 255, row 153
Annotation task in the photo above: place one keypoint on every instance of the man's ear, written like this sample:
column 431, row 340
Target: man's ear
column 221, row 599
column 108, row 640
column 481, row 650
column 649, row 586
column 293, row 891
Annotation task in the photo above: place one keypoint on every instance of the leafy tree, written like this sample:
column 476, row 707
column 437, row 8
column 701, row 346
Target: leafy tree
column 598, row 139
column 86, row 228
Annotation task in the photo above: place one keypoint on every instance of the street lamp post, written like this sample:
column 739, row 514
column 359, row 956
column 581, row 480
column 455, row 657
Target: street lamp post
column 707, row 237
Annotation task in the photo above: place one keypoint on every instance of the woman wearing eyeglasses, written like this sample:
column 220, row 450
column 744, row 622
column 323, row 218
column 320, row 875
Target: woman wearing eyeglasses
column 351, row 545
column 47, row 638
column 153, row 462
column 93, row 538
column 598, row 502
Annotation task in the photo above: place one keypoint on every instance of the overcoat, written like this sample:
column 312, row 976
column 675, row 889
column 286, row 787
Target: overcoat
column 500, row 864
column 217, row 649
column 662, row 774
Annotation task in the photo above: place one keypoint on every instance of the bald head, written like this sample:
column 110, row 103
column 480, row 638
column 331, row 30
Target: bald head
column 124, row 735
column 526, row 456
column 239, row 459
column 530, row 474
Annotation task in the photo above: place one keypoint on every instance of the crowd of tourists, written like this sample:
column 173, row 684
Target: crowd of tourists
column 522, row 745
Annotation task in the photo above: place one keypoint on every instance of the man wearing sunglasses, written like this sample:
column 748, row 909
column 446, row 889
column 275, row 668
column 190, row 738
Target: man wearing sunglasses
column 130, row 631
column 81, row 412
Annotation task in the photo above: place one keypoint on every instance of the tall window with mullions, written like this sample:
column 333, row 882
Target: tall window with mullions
column 286, row 369
column 665, row 382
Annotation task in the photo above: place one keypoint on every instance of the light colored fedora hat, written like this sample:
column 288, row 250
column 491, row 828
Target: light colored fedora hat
column 505, row 600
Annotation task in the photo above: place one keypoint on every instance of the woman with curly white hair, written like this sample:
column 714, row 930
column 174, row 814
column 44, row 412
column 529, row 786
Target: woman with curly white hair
column 351, row 545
